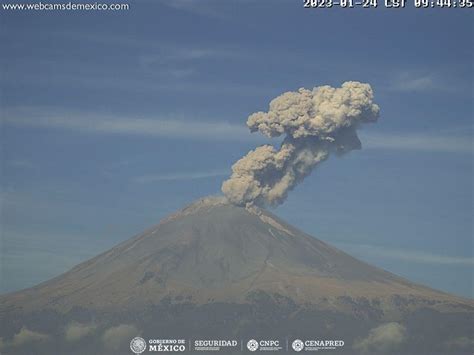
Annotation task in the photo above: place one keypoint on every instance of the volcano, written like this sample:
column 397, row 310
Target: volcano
column 218, row 271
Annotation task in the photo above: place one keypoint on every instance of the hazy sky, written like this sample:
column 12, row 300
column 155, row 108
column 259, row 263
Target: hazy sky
column 111, row 120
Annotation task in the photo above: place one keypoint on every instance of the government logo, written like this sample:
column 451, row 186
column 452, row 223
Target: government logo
column 297, row 345
column 138, row 345
column 252, row 345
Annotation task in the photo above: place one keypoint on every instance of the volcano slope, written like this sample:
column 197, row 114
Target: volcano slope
column 217, row 271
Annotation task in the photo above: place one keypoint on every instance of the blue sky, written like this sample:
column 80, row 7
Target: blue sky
column 112, row 120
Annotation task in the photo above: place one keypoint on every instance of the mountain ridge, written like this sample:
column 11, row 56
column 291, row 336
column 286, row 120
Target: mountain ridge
column 214, row 270
column 213, row 250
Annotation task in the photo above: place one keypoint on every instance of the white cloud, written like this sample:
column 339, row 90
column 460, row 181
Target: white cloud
column 418, row 82
column 383, row 338
column 425, row 142
column 181, row 176
column 460, row 343
column 146, row 84
column 208, row 8
column 24, row 336
column 20, row 163
column 405, row 255
column 107, row 124
column 460, row 141
column 168, row 55
column 408, row 83
column 180, row 63
column 116, row 338
column 75, row 331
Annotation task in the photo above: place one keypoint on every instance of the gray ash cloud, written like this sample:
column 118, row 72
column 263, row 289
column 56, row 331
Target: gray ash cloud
column 315, row 124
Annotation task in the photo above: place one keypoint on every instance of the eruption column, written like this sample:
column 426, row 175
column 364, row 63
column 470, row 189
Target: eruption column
column 315, row 124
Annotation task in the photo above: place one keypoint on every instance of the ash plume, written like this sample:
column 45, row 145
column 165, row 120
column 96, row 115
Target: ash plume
column 315, row 123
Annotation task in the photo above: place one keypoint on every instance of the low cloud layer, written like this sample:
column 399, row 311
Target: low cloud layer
column 381, row 339
column 116, row 338
column 373, row 251
column 460, row 343
column 24, row 336
column 315, row 123
column 75, row 331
